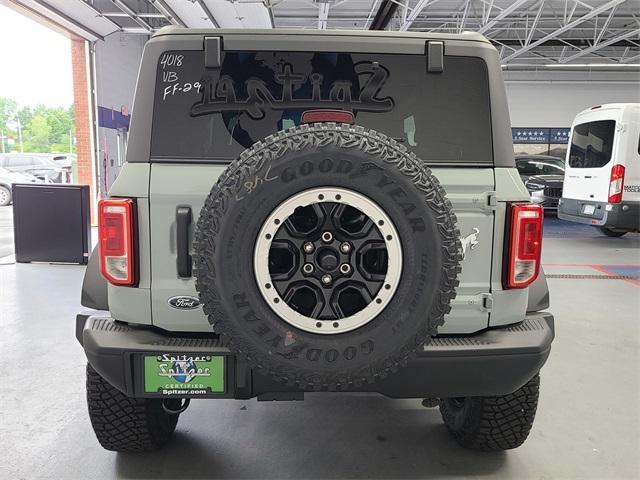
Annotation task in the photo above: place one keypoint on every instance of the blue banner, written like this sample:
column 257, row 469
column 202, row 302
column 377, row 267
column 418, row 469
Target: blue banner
column 559, row 135
column 530, row 135
column 110, row 118
column 540, row 135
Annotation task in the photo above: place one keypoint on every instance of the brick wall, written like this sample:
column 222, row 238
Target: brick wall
column 82, row 107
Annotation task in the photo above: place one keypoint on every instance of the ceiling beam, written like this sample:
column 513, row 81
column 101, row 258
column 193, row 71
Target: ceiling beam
column 238, row 13
column 168, row 12
column 534, row 24
column 464, row 16
column 208, row 13
column 630, row 59
column 504, row 13
column 486, row 11
column 417, row 10
column 122, row 14
column 133, row 15
column 606, row 43
column 594, row 12
column 568, row 13
column 604, row 28
column 383, row 16
column 371, row 12
column 323, row 15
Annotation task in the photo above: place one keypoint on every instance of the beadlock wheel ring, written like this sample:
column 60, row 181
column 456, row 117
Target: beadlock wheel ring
column 382, row 225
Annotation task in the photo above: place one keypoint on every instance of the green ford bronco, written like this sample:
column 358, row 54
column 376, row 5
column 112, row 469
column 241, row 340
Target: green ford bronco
column 316, row 212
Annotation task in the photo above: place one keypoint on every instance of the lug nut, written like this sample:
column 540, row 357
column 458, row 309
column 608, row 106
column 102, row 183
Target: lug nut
column 308, row 247
column 326, row 279
column 345, row 247
column 345, row 268
column 327, row 237
column 307, row 268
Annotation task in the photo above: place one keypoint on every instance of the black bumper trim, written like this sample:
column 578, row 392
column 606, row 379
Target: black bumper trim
column 497, row 361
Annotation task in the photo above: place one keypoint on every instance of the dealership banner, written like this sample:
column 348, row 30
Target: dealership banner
column 540, row 135
column 559, row 135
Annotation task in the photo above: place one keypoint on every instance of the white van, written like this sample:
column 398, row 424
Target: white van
column 602, row 175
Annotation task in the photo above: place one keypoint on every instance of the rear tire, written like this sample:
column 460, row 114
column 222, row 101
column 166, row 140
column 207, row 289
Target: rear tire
column 5, row 196
column 492, row 423
column 612, row 232
column 125, row 424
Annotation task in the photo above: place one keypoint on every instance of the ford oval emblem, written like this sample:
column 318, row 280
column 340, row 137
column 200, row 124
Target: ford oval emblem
column 184, row 302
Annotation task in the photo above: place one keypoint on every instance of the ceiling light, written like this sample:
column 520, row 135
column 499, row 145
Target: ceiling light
column 566, row 65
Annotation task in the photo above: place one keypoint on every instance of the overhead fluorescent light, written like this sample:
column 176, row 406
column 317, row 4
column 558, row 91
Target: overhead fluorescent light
column 567, row 65
column 530, row 66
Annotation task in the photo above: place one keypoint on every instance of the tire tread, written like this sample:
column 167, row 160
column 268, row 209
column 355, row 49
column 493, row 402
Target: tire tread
column 125, row 424
column 494, row 423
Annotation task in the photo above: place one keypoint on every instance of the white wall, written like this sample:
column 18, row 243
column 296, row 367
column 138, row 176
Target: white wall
column 555, row 102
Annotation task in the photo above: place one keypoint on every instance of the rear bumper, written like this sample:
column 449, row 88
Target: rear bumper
column 493, row 362
column 624, row 215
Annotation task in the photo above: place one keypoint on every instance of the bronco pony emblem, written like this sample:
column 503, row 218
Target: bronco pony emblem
column 470, row 241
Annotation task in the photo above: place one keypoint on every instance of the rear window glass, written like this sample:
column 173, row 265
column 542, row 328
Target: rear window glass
column 592, row 144
column 216, row 113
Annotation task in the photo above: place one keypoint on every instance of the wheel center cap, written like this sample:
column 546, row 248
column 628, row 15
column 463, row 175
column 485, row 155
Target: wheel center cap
column 328, row 259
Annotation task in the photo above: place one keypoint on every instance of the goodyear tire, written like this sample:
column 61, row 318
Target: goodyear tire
column 326, row 255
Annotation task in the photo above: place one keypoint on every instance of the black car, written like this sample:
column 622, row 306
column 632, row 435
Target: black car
column 543, row 176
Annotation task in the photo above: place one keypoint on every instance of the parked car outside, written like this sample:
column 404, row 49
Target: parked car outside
column 65, row 161
column 7, row 179
column 543, row 176
column 36, row 164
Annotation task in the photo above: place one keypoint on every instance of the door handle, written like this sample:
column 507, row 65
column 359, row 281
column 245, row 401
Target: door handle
column 183, row 221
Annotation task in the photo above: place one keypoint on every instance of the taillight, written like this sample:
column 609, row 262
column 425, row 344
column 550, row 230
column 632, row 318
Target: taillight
column 525, row 244
column 116, row 240
column 616, row 184
column 338, row 116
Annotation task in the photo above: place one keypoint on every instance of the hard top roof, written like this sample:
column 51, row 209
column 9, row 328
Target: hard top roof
column 464, row 36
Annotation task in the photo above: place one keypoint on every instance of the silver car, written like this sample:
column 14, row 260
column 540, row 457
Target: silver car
column 38, row 165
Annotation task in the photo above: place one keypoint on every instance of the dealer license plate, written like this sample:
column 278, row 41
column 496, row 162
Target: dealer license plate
column 180, row 374
column 588, row 209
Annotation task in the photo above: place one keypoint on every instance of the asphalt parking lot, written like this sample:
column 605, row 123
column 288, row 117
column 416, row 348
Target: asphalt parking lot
column 586, row 426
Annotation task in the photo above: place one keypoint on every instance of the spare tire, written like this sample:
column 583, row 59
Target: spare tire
column 326, row 255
